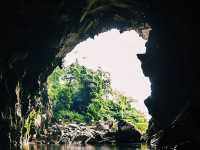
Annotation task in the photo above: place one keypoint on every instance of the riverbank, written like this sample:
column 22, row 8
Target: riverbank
column 99, row 133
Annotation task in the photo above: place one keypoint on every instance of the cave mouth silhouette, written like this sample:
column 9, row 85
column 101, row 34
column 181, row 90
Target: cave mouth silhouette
column 115, row 52
column 38, row 34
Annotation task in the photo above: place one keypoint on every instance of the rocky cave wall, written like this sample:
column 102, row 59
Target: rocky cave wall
column 38, row 34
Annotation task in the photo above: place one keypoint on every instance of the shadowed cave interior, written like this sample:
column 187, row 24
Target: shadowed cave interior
column 38, row 34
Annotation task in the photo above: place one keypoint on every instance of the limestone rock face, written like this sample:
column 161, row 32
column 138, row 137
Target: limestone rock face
column 37, row 35
column 127, row 133
column 75, row 134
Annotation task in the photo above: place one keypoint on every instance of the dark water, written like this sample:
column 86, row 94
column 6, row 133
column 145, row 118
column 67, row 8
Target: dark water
column 88, row 147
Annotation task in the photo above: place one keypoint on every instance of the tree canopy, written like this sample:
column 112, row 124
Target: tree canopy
column 79, row 94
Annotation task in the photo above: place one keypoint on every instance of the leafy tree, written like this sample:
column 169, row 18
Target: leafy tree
column 73, row 87
column 83, row 95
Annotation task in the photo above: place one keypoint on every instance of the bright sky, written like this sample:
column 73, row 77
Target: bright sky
column 116, row 53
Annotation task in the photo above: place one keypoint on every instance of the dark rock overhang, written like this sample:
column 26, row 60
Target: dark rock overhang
column 38, row 34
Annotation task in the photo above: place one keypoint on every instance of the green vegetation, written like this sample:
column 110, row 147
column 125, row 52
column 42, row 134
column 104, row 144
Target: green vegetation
column 30, row 125
column 79, row 94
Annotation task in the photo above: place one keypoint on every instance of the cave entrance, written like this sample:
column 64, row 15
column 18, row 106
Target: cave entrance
column 115, row 53
column 101, row 83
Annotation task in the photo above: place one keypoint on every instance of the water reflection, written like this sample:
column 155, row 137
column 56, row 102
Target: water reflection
column 87, row 147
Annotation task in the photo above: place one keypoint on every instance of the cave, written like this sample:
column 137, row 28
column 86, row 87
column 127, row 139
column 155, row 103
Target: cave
column 38, row 34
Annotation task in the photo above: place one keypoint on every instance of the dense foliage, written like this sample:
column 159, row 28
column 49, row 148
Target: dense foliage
column 79, row 94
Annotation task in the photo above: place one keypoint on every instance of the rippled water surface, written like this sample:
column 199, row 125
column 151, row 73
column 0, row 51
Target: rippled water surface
column 88, row 147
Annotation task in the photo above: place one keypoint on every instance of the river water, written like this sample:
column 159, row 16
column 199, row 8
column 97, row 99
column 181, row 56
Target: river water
column 87, row 147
